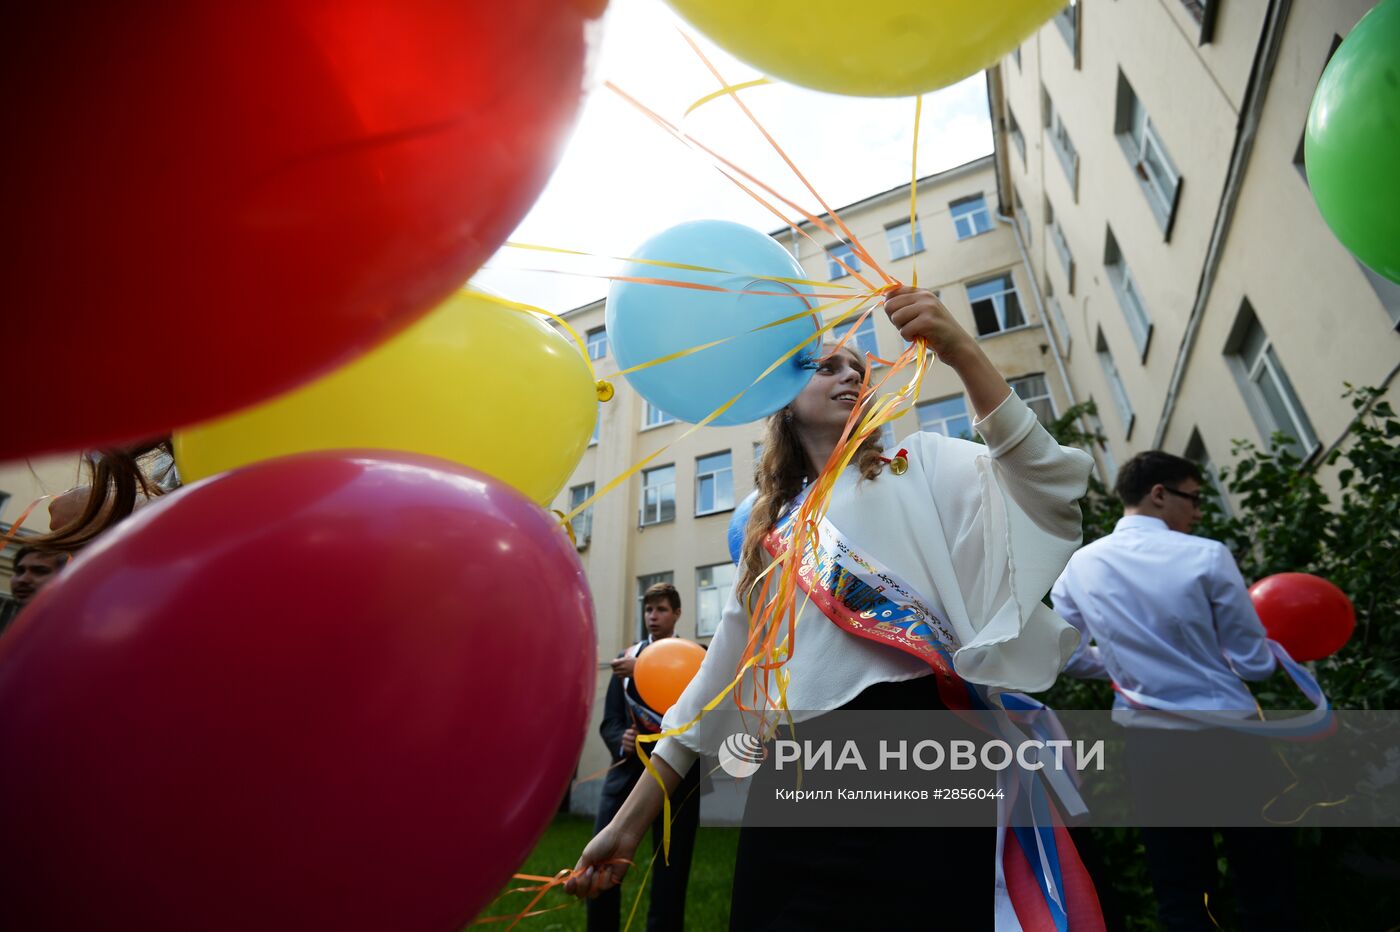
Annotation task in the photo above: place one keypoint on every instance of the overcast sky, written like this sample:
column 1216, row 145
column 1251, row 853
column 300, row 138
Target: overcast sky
column 623, row 179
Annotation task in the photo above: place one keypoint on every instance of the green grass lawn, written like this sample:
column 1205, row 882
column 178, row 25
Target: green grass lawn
column 706, row 902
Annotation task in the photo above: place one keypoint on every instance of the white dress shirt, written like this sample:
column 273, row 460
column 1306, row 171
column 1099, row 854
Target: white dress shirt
column 980, row 531
column 1170, row 618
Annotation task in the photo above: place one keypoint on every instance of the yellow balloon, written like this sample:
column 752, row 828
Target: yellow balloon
column 474, row 382
column 882, row 48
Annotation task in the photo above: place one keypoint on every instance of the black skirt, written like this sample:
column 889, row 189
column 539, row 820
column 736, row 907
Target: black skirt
column 859, row 878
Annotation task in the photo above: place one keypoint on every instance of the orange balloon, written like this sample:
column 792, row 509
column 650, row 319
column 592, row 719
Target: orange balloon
column 665, row 669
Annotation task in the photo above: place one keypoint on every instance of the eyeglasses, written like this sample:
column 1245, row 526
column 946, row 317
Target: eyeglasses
column 1195, row 497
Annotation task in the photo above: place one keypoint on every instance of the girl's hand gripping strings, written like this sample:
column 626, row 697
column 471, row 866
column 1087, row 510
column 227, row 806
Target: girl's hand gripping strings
column 606, row 858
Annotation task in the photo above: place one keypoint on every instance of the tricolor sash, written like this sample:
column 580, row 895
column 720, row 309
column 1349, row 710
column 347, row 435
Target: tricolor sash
column 1041, row 885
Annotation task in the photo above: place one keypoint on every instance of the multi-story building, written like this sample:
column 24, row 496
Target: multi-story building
column 669, row 522
column 1143, row 237
column 1152, row 155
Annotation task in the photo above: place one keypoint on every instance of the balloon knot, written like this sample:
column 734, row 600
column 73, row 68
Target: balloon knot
column 605, row 390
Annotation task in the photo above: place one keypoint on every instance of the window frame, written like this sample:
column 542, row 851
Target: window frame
column 1129, row 295
column 1032, row 400
column 1137, row 136
column 979, row 209
column 847, row 254
column 648, row 486
column 1069, row 27
column 1250, row 371
column 999, row 309
column 588, row 342
column 865, row 330
column 699, row 476
column 1061, row 141
column 648, row 422
column 721, row 588
column 939, row 425
column 1116, row 386
column 916, row 241
column 582, row 524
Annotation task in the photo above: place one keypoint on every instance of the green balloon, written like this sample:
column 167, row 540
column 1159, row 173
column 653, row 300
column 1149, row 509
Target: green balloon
column 1352, row 143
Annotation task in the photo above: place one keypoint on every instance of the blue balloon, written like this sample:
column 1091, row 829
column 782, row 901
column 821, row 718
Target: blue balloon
column 739, row 523
column 646, row 322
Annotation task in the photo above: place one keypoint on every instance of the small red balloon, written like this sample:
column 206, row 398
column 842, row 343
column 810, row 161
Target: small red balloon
column 665, row 669
column 213, row 201
column 1308, row 615
column 327, row 692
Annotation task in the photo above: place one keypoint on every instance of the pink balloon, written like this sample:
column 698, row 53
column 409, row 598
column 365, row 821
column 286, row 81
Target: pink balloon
column 335, row 691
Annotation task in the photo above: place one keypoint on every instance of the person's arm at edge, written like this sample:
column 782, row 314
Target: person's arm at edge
column 1242, row 637
column 621, row 836
column 1086, row 663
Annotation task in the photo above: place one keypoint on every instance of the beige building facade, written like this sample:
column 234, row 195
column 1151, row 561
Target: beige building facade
column 670, row 522
column 1151, row 152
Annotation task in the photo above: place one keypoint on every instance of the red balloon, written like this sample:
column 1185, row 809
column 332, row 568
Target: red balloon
column 665, row 669
column 325, row 692
column 1308, row 615
column 213, row 201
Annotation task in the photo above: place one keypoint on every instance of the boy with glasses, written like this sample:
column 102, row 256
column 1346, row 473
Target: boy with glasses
column 1174, row 629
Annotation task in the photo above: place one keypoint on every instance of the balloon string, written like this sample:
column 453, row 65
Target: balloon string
column 684, row 266
column 641, row 464
column 19, row 522
column 914, row 193
column 727, row 89
column 670, row 283
column 547, row 884
column 719, row 160
column 855, row 243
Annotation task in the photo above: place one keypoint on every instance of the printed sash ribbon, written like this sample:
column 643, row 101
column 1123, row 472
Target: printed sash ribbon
column 1040, row 867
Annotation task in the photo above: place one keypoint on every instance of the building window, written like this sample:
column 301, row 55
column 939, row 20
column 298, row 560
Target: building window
column 1035, row 392
column 1061, row 142
column 597, row 426
column 1268, row 392
column 863, row 340
column 714, row 483
column 712, row 585
column 886, row 436
column 1057, row 314
column 946, row 416
column 583, row 522
column 1023, row 218
column 1115, row 385
column 1068, row 21
column 1203, row 12
column 1196, row 452
column 658, row 495
column 597, row 340
column 1141, row 143
column 1387, row 290
column 1016, row 56
column 835, row 255
column 652, row 416
column 903, row 242
column 1057, row 237
column 643, row 584
column 970, row 216
column 757, row 452
column 1129, row 295
column 995, row 305
column 1013, row 129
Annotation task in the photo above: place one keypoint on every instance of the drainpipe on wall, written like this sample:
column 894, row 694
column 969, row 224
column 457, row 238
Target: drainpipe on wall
column 1265, row 57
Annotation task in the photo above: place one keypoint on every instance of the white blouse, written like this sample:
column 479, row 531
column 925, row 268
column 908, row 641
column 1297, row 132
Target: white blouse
column 982, row 532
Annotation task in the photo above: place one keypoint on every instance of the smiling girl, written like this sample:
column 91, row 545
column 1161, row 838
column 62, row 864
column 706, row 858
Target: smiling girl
column 977, row 534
